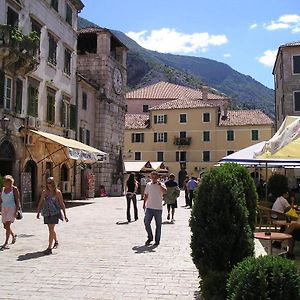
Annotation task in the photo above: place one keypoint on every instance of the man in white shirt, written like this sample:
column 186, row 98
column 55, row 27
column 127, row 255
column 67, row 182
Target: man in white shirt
column 281, row 204
column 153, row 204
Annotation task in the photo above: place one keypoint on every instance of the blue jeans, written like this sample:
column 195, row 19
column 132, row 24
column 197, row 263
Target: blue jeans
column 157, row 214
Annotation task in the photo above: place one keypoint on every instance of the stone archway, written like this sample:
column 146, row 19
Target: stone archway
column 7, row 158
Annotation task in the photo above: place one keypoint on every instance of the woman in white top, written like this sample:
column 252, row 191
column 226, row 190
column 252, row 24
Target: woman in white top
column 10, row 204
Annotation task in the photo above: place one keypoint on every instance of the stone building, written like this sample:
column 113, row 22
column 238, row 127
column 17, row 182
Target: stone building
column 102, row 62
column 286, row 73
column 188, row 130
column 38, row 91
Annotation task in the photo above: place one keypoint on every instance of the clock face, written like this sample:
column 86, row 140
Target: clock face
column 117, row 81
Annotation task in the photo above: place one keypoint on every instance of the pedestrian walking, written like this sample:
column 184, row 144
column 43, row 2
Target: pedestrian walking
column 143, row 186
column 50, row 204
column 153, row 207
column 191, row 186
column 131, row 188
column 186, row 191
column 170, row 197
column 10, row 204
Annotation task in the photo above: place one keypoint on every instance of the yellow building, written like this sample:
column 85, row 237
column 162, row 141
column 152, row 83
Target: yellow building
column 190, row 134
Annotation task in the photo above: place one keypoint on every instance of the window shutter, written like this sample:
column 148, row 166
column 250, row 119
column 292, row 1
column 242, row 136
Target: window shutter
column 132, row 138
column 80, row 134
column 2, row 88
column 73, row 117
column 87, row 137
column 165, row 137
column 49, row 108
column 63, row 114
column 177, row 156
column 142, row 137
column 155, row 119
column 19, row 93
column 165, row 119
column 155, row 137
column 30, row 105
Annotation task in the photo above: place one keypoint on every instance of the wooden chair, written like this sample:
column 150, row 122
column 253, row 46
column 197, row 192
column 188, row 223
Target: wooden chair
column 267, row 204
column 265, row 219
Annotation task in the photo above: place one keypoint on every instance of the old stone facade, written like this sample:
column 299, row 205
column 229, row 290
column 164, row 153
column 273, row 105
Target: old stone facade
column 37, row 83
column 102, row 61
column 287, row 81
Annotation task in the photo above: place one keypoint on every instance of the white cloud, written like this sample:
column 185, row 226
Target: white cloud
column 227, row 55
column 168, row 40
column 268, row 58
column 276, row 26
column 291, row 21
column 252, row 26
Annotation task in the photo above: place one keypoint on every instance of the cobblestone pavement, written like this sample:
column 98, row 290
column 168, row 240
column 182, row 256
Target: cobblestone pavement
column 99, row 259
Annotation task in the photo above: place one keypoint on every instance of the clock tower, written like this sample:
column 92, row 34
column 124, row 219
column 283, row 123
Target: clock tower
column 102, row 60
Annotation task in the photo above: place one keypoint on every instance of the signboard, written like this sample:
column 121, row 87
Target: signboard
column 86, row 156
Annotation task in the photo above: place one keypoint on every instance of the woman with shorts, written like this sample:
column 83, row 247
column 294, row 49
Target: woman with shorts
column 50, row 204
column 10, row 204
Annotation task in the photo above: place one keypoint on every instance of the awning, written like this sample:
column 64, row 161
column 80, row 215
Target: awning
column 145, row 166
column 74, row 149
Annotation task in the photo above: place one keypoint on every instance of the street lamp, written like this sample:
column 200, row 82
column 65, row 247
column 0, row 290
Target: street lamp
column 4, row 122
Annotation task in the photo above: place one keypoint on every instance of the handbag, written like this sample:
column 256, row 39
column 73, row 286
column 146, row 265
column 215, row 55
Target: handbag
column 19, row 215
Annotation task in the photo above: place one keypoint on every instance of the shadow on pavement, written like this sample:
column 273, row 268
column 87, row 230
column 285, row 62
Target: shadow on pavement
column 31, row 255
column 197, row 295
column 168, row 223
column 144, row 249
column 122, row 223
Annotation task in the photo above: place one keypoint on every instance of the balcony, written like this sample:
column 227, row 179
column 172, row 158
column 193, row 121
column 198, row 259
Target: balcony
column 182, row 141
column 18, row 52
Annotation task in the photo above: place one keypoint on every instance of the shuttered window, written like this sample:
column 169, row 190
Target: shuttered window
column 19, row 95
column 32, row 104
column 296, row 64
column 87, row 137
column 73, row 117
column 69, row 14
column 50, row 106
column 54, row 4
column 2, row 88
column 67, row 63
column 52, row 50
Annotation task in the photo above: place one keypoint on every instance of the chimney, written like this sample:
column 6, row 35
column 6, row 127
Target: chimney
column 204, row 89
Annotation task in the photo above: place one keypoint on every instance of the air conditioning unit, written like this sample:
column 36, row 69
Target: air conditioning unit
column 65, row 187
column 70, row 134
column 30, row 122
column 28, row 140
column 38, row 123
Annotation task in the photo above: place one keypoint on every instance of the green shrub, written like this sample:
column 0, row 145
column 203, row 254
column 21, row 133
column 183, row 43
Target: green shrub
column 264, row 278
column 248, row 185
column 1, row 181
column 277, row 185
column 221, row 235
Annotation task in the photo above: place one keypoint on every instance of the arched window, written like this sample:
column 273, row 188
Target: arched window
column 64, row 173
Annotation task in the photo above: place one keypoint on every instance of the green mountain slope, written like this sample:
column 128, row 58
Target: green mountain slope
column 145, row 67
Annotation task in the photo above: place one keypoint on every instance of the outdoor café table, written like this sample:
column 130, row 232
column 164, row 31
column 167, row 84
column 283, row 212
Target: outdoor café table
column 274, row 236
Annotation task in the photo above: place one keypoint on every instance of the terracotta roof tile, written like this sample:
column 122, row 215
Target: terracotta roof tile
column 136, row 121
column 169, row 91
column 246, row 117
column 188, row 103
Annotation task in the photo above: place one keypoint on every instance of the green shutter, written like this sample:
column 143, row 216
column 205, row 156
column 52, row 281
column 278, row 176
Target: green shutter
column 73, row 117
column 19, row 94
column 155, row 119
column 2, row 88
column 49, row 108
column 165, row 119
column 155, row 137
column 165, row 137
column 132, row 138
column 142, row 137
column 63, row 114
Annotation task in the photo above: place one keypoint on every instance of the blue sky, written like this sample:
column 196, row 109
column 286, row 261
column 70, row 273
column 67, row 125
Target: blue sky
column 244, row 34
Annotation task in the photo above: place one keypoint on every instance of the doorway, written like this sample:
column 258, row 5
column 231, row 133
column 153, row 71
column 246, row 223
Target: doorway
column 7, row 158
column 31, row 173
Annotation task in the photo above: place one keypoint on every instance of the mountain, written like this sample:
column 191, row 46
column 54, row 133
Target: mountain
column 145, row 67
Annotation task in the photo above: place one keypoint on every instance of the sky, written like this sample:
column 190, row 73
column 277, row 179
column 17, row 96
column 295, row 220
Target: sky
column 245, row 34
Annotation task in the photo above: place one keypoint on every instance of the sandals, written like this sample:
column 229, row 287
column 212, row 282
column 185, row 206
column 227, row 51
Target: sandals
column 48, row 251
column 55, row 245
column 14, row 239
column 4, row 247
